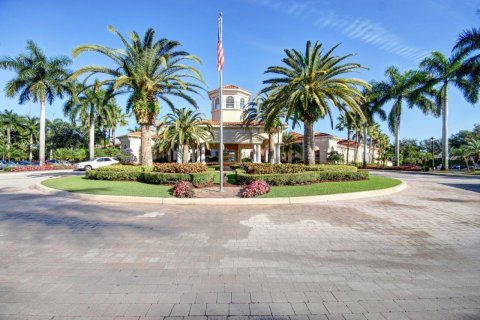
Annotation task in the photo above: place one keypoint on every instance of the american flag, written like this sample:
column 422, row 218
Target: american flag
column 220, row 58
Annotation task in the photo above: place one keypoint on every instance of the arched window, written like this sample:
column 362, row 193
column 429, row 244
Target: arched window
column 230, row 103
column 216, row 105
column 242, row 103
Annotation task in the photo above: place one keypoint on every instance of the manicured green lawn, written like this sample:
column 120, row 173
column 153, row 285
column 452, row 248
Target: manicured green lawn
column 373, row 183
column 103, row 187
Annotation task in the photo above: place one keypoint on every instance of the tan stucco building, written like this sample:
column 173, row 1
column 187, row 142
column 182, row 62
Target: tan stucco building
column 239, row 141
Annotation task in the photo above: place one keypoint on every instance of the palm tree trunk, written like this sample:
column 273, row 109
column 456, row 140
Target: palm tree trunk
column 113, row 136
column 309, row 146
column 9, row 139
column 30, row 146
column 349, row 133
column 364, row 145
column 41, row 147
column 397, row 142
column 357, row 145
column 91, row 137
column 146, row 147
column 271, row 148
column 186, row 154
column 445, row 127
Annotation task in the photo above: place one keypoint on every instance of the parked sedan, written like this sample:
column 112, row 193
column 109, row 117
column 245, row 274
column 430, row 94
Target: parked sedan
column 95, row 163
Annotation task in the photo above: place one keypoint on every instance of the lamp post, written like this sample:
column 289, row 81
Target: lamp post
column 432, row 139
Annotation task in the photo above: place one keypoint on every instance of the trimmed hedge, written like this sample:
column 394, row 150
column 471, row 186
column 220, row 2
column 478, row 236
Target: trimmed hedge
column 332, row 168
column 126, row 168
column 145, row 174
column 193, row 167
column 270, row 168
column 287, row 168
column 202, row 178
column 300, row 177
column 163, row 178
column 113, row 175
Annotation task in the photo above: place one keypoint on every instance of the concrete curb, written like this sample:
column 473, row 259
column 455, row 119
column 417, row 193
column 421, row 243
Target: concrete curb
column 224, row 201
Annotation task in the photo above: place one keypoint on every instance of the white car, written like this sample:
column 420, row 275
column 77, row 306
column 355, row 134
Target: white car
column 95, row 163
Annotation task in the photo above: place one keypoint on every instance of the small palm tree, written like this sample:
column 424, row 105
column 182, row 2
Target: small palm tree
column 114, row 117
column 463, row 153
column 411, row 87
column 346, row 122
column 290, row 146
column 257, row 112
column 183, row 128
column 445, row 71
column 473, row 147
column 149, row 71
column 31, row 126
column 87, row 103
column 9, row 122
column 310, row 85
column 39, row 79
column 371, row 108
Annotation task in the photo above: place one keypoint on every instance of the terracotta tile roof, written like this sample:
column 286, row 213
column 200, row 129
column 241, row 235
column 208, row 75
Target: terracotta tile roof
column 322, row 134
column 233, row 123
column 344, row 142
column 230, row 86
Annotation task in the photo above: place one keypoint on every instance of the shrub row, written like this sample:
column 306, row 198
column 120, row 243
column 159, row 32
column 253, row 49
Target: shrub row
column 139, row 174
column 332, row 168
column 300, row 177
column 194, row 167
column 37, row 168
column 126, row 168
column 287, row 168
column 269, row 168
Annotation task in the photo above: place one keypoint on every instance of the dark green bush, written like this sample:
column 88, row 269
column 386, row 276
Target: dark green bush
column 300, row 177
column 203, row 178
column 113, row 175
column 163, row 178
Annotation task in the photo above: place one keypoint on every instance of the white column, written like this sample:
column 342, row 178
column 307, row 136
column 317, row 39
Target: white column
column 278, row 156
column 202, row 153
column 179, row 155
column 259, row 153
column 267, row 154
column 254, row 153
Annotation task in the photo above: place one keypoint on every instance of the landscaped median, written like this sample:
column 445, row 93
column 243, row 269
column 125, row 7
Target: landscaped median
column 271, row 184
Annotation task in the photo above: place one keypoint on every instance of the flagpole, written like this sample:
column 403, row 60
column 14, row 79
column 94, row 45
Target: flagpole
column 220, row 77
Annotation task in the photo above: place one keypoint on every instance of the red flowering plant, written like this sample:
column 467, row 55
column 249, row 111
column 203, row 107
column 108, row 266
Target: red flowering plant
column 37, row 168
column 183, row 189
column 255, row 188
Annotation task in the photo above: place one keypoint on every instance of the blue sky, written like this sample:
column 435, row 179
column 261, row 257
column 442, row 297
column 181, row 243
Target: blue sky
column 381, row 33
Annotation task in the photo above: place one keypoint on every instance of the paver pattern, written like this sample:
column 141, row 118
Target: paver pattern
column 412, row 255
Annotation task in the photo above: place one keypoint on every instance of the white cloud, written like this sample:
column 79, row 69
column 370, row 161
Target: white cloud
column 359, row 29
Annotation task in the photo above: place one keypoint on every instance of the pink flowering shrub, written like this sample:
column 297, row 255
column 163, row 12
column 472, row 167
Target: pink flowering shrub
column 37, row 168
column 183, row 189
column 255, row 188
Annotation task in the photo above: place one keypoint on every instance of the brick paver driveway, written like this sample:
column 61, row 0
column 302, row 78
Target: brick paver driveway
column 413, row 255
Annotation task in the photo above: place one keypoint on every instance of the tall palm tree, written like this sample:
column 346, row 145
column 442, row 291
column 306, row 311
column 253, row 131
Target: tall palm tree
column 183, row 128
column 309, row 85
column 39, row 79
column 411, row 87
column 371, row 108
column 445, row 71
column 87, row 103
column 30, row 126
column 9, row 121
column 256, row 112
column 346, row 122
column 290, row 145
column 149, row 71
column 468, row 44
